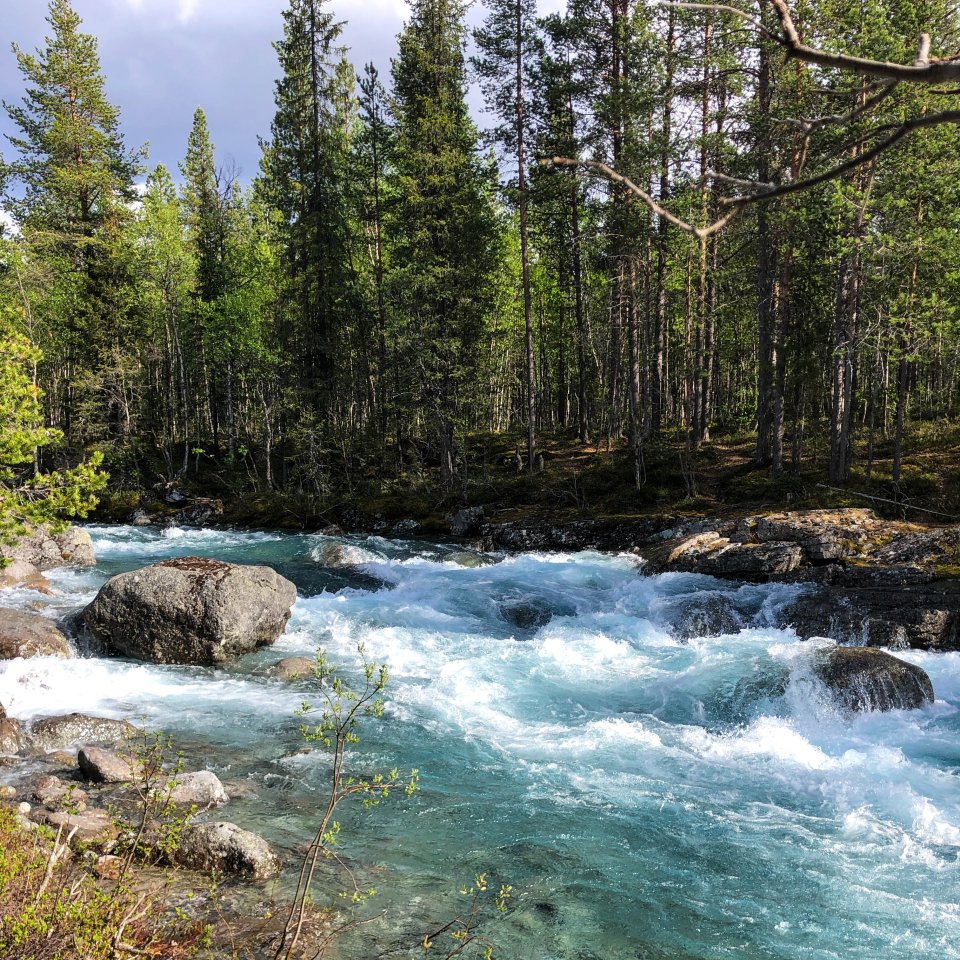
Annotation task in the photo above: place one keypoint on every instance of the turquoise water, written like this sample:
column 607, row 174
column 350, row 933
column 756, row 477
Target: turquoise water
column 646, row 797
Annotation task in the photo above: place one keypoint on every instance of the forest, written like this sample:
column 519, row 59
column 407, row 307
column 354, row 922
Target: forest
column 593, row 260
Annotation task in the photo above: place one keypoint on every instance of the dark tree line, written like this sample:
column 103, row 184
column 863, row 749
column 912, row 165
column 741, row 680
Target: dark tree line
column 396, row 281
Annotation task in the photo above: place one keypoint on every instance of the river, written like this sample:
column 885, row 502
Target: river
column 646, row 797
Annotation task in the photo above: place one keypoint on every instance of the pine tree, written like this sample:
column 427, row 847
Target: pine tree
column 443, row 228
column 69, row 189
column 507, row 46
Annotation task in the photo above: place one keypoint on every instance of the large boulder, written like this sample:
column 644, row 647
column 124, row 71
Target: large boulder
column 227, row 849
column 45, row 550
column 90, row 826
column 19, row 573
column 864, row 678
column 30, row 635
column 823, row 535
column 57, row 733
column 191, row 610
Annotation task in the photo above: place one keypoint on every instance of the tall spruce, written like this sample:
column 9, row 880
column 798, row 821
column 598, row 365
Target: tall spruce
column 303, row 171
column 444, row 230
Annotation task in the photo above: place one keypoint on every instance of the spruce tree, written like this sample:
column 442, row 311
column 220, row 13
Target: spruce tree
column 303, row 173
column 443, row 226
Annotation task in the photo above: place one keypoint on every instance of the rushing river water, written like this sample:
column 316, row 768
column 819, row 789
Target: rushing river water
column 646, row 797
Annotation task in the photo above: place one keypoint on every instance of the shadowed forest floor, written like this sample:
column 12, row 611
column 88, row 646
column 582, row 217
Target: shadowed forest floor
column 592, row 480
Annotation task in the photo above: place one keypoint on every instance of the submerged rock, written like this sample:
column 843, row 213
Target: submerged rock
column 30, row 635
column 706, row 615
column 226, row 848
column 292, row 668
column 57, row 733
column 526, row 616
column 191, row 610
column 864, row 678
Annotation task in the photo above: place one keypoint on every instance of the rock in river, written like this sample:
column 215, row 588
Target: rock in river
column 56, row 733
column 226, row 848
column 864, row 678
column 292, row 668
column 30, row 635
column 191, row 610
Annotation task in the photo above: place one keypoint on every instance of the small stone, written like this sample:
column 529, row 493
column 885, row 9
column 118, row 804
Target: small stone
column 23, row 808
column 7, row 792
column 292, row 668
column 12, row 737
column 108, row 867
column 61, row 758
column 52, row 793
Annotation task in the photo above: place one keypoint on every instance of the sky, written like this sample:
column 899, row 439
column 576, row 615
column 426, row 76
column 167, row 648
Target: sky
column 164, row 58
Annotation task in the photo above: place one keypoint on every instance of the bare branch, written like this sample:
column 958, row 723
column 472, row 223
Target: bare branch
column 922, row 70
column 701, row 233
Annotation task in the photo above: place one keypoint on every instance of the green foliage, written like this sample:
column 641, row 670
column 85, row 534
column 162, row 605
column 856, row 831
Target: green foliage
column 30, row 496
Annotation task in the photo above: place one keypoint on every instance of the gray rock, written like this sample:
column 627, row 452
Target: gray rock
column 30, row 635
column 403, row 527
column 201, row 789
column 12, row 737
column 104, row 766
column 719, row 556
column 57, row 733
column 706, row 615
column 864, row 678
column 292, row 668
column 51, row 792
column 91, row 826
column 46, row 551
column 191, row 610
column 140, row 518
column 879, row 607
column 466, row 521
column 19, row 573
column 227, row 849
